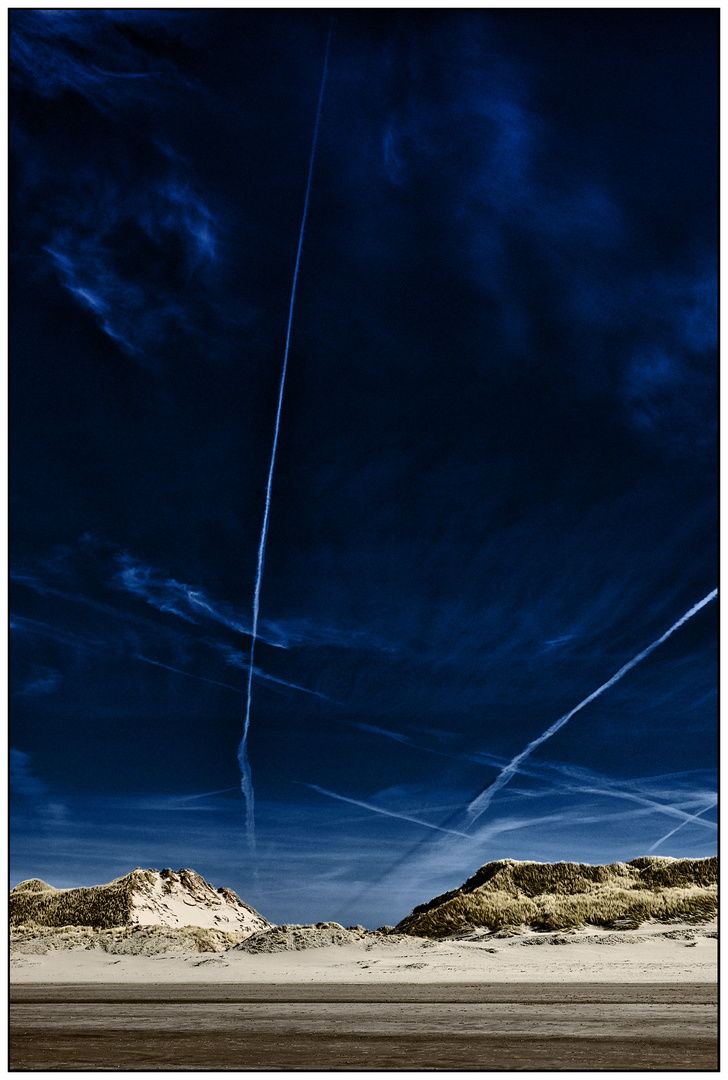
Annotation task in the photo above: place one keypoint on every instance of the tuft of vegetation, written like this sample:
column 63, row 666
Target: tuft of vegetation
column 506, row 895
column 35, row 885
column 121, row 940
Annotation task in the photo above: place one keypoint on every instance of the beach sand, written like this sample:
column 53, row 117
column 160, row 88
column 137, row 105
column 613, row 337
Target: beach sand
column 590, row 1000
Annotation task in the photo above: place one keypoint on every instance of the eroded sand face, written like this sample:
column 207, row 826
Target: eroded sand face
column 654, row 953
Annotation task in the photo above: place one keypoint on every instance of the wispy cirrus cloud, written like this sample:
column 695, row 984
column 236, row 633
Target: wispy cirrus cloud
column 494, row 166
column 44, row 680
column 187, row 602
column 673, row 799
column 676, row 800
column 302, row 630
column 30, row 627
column 140, row 249
column 669, row 381
column 142, row 304
column 189, row 649
column 24, row 782
column 84, row 52
column 240, row 660
column 193, row 604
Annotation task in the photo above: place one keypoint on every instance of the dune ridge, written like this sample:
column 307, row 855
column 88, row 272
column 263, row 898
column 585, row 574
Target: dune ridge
column 140, row 898
column 509, row 895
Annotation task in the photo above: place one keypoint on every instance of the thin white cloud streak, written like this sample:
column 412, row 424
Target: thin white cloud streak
column 63, row 637
column 246, row 779
column 173, row 803
column 481, row 803
column 651, row 805
column 292, row 686
column 386, row 813
column 207, row 794
column 194, row 596
column 670, row 809
column 674, row 775
column 574, row 816
column 613, row 790
column 235, row 689
column 127, row 74
column 682, row 826
column 43, row 589
column 188, row 674
column 596, row 784
column 593, row 784
column 404, row 739
column 663, row 808
column 137, row 587
column 303, row 631
column 176, row 598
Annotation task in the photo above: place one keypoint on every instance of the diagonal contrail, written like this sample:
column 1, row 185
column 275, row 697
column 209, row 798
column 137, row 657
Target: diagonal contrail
column 483, row 801
column 236, row 689
column 188, row 674
column 246, row 780
column 682, row 825
column 539, row 772
column 386, row 813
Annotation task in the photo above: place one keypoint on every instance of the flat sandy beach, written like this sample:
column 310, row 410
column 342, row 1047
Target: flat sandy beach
column 591, row 1000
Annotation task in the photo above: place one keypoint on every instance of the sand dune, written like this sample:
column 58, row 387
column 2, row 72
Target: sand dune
column 679, row 952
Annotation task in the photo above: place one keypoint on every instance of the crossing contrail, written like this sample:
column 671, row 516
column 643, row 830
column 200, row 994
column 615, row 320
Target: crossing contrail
column 541, row 771
column 246, row 779
column 682, row 825
column 483, row 801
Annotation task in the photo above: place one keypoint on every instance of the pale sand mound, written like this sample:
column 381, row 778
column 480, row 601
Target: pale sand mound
column 294, row 938
column 654, row 953
column 121, row 940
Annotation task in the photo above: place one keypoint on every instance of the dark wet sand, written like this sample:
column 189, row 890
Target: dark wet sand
column 497, row 1027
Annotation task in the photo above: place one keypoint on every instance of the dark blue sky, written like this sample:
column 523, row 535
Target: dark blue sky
column 496, row 476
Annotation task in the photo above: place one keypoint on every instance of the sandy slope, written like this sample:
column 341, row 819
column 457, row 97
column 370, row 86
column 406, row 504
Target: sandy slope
column 688, row 954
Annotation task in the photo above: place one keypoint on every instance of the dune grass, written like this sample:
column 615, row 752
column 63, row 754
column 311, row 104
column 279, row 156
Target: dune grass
column 101, row 906
column 98, row 906
column 560, row 896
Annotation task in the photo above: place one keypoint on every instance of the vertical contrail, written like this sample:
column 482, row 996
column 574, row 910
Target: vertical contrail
column 483, row 801
column 246, row 780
